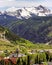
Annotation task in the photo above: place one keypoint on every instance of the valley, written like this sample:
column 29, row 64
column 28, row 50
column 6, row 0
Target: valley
column 26, row 36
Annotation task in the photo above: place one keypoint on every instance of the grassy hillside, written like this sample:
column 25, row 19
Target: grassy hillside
column 12, row 42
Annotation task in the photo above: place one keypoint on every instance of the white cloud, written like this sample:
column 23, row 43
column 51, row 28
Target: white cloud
column 24, row 3
column 8, row 3
column 6, row 0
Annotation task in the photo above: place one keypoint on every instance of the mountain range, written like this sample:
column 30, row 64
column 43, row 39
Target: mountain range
column 33, row 23
column 28, row 12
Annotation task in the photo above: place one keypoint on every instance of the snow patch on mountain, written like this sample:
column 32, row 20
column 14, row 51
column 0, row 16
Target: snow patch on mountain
column 28, row 12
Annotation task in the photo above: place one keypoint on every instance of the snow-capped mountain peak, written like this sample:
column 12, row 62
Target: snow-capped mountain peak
column 27, row 12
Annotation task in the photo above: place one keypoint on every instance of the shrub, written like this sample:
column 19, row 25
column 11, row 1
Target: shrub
column 41, row 57
column 45, row 63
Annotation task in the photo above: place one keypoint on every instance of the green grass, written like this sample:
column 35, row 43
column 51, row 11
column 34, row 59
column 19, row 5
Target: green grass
column 27, row 45
column 6, row 45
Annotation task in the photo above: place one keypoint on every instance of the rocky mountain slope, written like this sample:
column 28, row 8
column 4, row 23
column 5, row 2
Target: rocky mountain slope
column 38, row 29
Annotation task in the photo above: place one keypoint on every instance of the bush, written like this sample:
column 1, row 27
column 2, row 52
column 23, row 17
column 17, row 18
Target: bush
column 6, row 53
column 2, row 55
column 32, row 59
column 41, row 57
column 47, row 55
column 45, row 63
column 50, row 59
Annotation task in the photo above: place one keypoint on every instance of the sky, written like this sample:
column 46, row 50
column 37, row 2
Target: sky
column 4, row 4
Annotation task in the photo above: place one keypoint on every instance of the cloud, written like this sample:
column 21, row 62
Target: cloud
column 24, row 3
column 10, row 3
column 6, row 0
